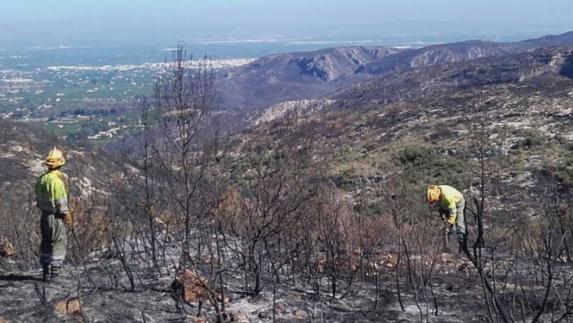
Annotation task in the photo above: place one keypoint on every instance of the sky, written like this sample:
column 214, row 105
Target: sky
column 113, row 22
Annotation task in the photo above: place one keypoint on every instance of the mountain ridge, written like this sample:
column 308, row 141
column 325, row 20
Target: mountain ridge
column 311, row 75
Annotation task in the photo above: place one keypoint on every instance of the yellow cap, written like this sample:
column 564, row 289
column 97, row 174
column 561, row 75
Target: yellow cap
column 55, row 158
column 433, row 193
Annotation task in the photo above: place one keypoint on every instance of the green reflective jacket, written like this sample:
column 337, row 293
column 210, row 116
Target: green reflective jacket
column 52, row 192
column 449, row 200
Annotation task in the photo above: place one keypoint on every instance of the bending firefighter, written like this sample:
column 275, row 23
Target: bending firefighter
column 451, row 207
column 52, row 199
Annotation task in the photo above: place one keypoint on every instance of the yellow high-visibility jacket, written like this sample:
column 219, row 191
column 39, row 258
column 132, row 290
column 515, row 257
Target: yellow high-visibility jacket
column 52, row 192
column 450, row 198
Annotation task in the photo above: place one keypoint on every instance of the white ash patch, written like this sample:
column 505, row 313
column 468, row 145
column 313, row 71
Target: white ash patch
column 249, row 306
column 279, row 110
column 77, row 153
column 524, row 124
column 86, row 183
column 131, row 170
column 87, row 188
column 36, row 167
column 16, row 149
column 523, row 179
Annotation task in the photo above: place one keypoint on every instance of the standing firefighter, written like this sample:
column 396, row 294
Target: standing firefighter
column 451, row 208
column 52, row 199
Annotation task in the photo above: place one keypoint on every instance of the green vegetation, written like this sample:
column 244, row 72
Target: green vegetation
column 564, row 171
column 425, row 165
column 531, row 139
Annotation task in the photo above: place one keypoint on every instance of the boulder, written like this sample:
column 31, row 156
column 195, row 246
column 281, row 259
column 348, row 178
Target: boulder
column 190, row 286
column 68, row 307
column 300, row 315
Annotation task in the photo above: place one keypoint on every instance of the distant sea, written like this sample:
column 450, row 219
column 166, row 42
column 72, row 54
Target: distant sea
column 34, row 57
column 227, row 48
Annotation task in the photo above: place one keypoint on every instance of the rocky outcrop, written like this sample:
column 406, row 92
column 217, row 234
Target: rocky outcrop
column 442, row 54
column 69, row 307
column 299, row 108
column 340, row 62
column 433, row 80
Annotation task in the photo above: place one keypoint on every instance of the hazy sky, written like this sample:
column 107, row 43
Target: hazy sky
column 73, row 22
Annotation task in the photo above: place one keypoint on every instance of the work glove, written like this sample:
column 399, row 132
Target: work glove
column 68, row 219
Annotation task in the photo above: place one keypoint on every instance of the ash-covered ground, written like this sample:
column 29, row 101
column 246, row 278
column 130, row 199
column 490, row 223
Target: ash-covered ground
column 99, row 291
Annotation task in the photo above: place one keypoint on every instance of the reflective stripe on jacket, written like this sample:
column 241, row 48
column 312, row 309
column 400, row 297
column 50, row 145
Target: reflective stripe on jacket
column 450, row 198
column 52, row 192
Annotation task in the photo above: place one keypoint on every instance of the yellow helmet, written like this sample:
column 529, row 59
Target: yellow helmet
column 433, row 194
column 55, row 158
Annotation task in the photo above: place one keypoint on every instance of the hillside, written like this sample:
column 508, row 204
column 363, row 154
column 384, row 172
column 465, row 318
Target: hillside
column 423, row 126
column 316, row 211
column 442, row 54
column 499, row 125
column 310, row 75
column 525, row 100
column 549, row 40
column 284, row 77
column 418, row 83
